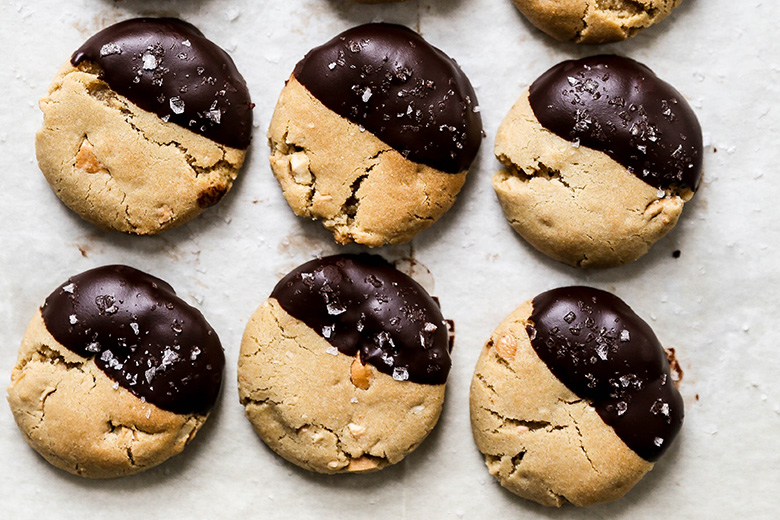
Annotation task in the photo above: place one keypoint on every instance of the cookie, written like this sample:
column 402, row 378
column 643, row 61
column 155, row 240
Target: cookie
column 115, row 374
column 600, row 156
column 594, row 21
column 373, row 134
column 145, row 126
column 343, row 368
column 572, row 399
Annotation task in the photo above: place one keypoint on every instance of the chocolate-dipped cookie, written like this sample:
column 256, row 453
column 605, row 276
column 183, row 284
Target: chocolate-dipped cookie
column 145, row 126
column 343, row 368
column 600, row 156
column 115, row 374
column 573, row 399
column 374, row 133
column 594, row 21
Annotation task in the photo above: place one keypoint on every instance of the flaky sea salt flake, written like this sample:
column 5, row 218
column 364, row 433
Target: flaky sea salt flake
column 109, row 49
column 327, row 331
column 177, row 105
column 150, row 61
column 214, row 116
column 400, row 374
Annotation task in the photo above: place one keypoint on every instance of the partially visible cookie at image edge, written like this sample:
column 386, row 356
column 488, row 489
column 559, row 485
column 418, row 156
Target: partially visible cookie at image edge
column 573, row 399
column 594, row 21
column 373, row 134
column 600, row 156
column 115, row 374
column 343, row 368
column 146, row 126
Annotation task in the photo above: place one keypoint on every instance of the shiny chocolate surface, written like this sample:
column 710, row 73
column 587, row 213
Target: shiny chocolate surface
column 364, row 306
column 141, row 335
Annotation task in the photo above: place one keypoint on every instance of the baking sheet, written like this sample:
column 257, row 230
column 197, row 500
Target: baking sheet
column 716, row 304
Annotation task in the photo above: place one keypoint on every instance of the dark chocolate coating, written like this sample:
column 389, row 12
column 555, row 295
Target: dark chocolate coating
column 141, row 335
column 620, row 107
column 167, row 66
column 397, row 86
column 603, row 352
column 362, row 304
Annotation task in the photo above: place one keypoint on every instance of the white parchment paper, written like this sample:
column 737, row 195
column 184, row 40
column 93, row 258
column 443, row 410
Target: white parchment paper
column 717, row 304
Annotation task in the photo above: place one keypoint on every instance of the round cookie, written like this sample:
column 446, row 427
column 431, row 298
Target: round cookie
column 343, row 368
column 145, row 126
column 572, row 399
column 373, row 134
column 115, row 374
column 594, row 21
column 600, row 157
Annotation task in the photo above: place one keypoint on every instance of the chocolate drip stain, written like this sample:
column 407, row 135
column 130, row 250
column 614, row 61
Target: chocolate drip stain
column 362, row 304
column 141, row 335
column 620, row 107
column 166, row 66
column 394, row 84
column 603, row 352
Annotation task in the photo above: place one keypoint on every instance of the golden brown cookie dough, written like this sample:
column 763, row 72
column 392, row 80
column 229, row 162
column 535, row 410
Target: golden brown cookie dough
column 343, row 368
column 546, row 443
column 144, row 141
column 594, row 21
column 323, row 410
column 121, row 167
column 362, row 190
column 83, row 422
column 600, row 156
column 115, row 374
column 373, row 134
column 563, row 198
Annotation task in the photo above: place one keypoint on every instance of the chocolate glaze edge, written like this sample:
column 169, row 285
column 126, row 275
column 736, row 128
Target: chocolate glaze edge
column 411, row 95
column 364, row 306
column 141, row 335
column 603, row 352
column 620, row 107
column 168, row 67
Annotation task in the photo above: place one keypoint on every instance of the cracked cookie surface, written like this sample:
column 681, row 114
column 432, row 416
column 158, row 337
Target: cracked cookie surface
column 540, row 440
column 361, row 189
column 323, row 410
column 83, row 422
column 594, row 21
column 575, row 204
column 124, row 168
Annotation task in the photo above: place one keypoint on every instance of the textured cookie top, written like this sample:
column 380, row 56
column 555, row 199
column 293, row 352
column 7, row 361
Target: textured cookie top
column 620, row 107
column 363, row 305
column 141, row 335
column 603, row 352
column 391, row 82
column 167, row 66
